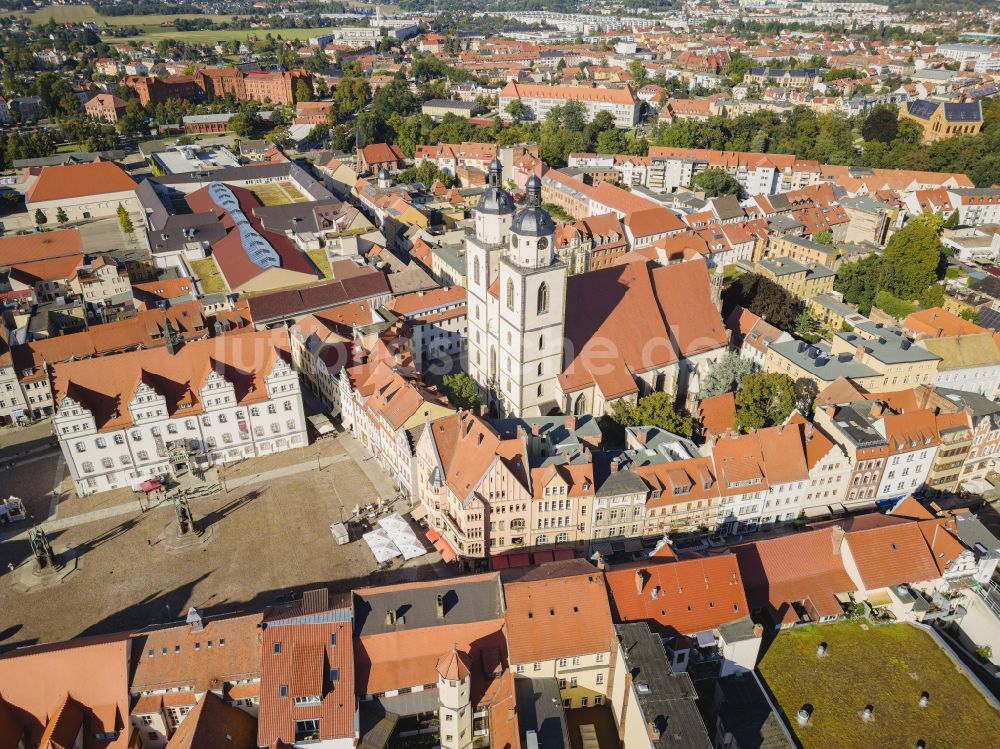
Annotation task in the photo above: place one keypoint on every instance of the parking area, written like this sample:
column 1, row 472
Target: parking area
column 267, row 541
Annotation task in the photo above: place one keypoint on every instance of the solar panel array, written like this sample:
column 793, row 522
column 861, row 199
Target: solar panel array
column 963, row 112
column 257, row 248
column 922, row 108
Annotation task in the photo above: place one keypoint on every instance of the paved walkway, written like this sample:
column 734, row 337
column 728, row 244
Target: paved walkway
column 131, row 508
column 368, row 464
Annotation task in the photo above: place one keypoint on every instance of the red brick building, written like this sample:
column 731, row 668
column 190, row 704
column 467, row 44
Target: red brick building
column 157, row 90
column 218, row 82
column 106, row 107
column 275, row 86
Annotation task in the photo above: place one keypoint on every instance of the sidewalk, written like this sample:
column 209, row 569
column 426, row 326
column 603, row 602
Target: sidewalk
column 132, row 508
column 367, row 463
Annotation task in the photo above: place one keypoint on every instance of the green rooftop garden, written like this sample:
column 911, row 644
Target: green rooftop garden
column 887, row 667
column 208, row 275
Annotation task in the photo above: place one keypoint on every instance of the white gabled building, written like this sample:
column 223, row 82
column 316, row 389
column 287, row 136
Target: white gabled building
column 169, row 410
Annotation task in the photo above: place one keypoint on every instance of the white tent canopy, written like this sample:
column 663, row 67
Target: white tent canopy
column 381, row 545
column 402, row 536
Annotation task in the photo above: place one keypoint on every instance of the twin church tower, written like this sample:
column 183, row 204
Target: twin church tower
column 517, row 301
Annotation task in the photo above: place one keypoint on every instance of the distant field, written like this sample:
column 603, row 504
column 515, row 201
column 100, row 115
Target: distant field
column 81, row 13
column 154, row 34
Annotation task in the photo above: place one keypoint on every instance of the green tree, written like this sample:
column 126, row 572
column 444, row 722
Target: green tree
column 763, row 400
column 656, row 409
column 716, row 182
column 61, row 216
column 824, row 237
column 726, row 375
column 303, row 91
column 970, row 314
column 881, row 125
column 764, row 298
column 859, row 281
column 40, row 218
column 932, row 296
column 124, row 220
column 912, row 256
column 807, row 327
column 461, row 390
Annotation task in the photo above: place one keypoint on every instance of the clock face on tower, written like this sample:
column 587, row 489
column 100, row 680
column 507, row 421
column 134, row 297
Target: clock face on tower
column 543, row 243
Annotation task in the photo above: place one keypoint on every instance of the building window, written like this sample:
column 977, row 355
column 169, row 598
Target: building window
column 475, row 271
column 543, row 298
column 283, row 690
column 510, row 294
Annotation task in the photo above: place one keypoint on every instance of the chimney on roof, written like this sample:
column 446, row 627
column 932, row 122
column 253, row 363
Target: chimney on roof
column 440, row 606
column 809, row 431
column 390, row 617
column 615, row 465
column 837, row 538
column 536, row 429
column 642, row 435
column 599, row 560
column 640, row 581
column 859, row 350
column 877, row 410
column 571, row 422
column 194, row 620
column 758, row 630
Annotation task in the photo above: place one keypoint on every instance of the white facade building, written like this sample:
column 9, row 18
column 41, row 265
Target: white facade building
column 517, row 301
column 208, row 402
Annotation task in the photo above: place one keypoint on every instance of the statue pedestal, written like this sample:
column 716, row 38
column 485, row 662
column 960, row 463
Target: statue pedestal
column 171, row 539
column 28, row 578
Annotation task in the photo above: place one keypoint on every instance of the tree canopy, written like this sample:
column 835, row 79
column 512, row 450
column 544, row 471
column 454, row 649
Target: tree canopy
column 763, row 400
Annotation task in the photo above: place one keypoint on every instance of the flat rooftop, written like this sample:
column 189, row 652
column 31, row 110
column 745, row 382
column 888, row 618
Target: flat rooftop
column 887, row 667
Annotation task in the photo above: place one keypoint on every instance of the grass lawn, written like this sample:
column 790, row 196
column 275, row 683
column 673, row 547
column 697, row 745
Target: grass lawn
column 731, row 273
column 321, row 261
column 208, row 275
column 208, row 35
column 887, row 667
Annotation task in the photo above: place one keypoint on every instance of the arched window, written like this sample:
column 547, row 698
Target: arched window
column 475, row 271
column 543, row 298
column 539, row 369
column 510, row 294
column 580, row 407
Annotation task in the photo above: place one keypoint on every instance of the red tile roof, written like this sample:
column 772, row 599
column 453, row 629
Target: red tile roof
column 801, row 567
column 891, row 555
column 557, row 617
column 305, row 648
column 67, row 181
column 691, row 596
column 26, row 248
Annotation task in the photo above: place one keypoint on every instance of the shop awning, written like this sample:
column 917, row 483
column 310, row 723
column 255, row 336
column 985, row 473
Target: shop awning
column 499, row 563
column 418, row 512
column 150, row 485
column 520, row 560
column 432, row 535
column 543, row 556
column 448, row 554
column 562, row 554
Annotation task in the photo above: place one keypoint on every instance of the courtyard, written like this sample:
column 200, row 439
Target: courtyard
column 265, row 541
column 887, row 667
column 278, row 193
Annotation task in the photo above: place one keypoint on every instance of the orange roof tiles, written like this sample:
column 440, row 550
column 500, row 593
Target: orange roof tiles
column 890, row 555
column 718, row 413
column 35, row 681
column 635, row 317
column 224, row 650
column 691, row 596
column 213, row 723
column 26, row 248
column 317, row 644
column 245, row 358
column 624, row 95
column 557, row 617
column 410, row 657
column 937, row 322
column 66, row 181
column 801, row 567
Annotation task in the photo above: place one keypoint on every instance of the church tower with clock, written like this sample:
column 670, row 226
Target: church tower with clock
column 517, row 302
